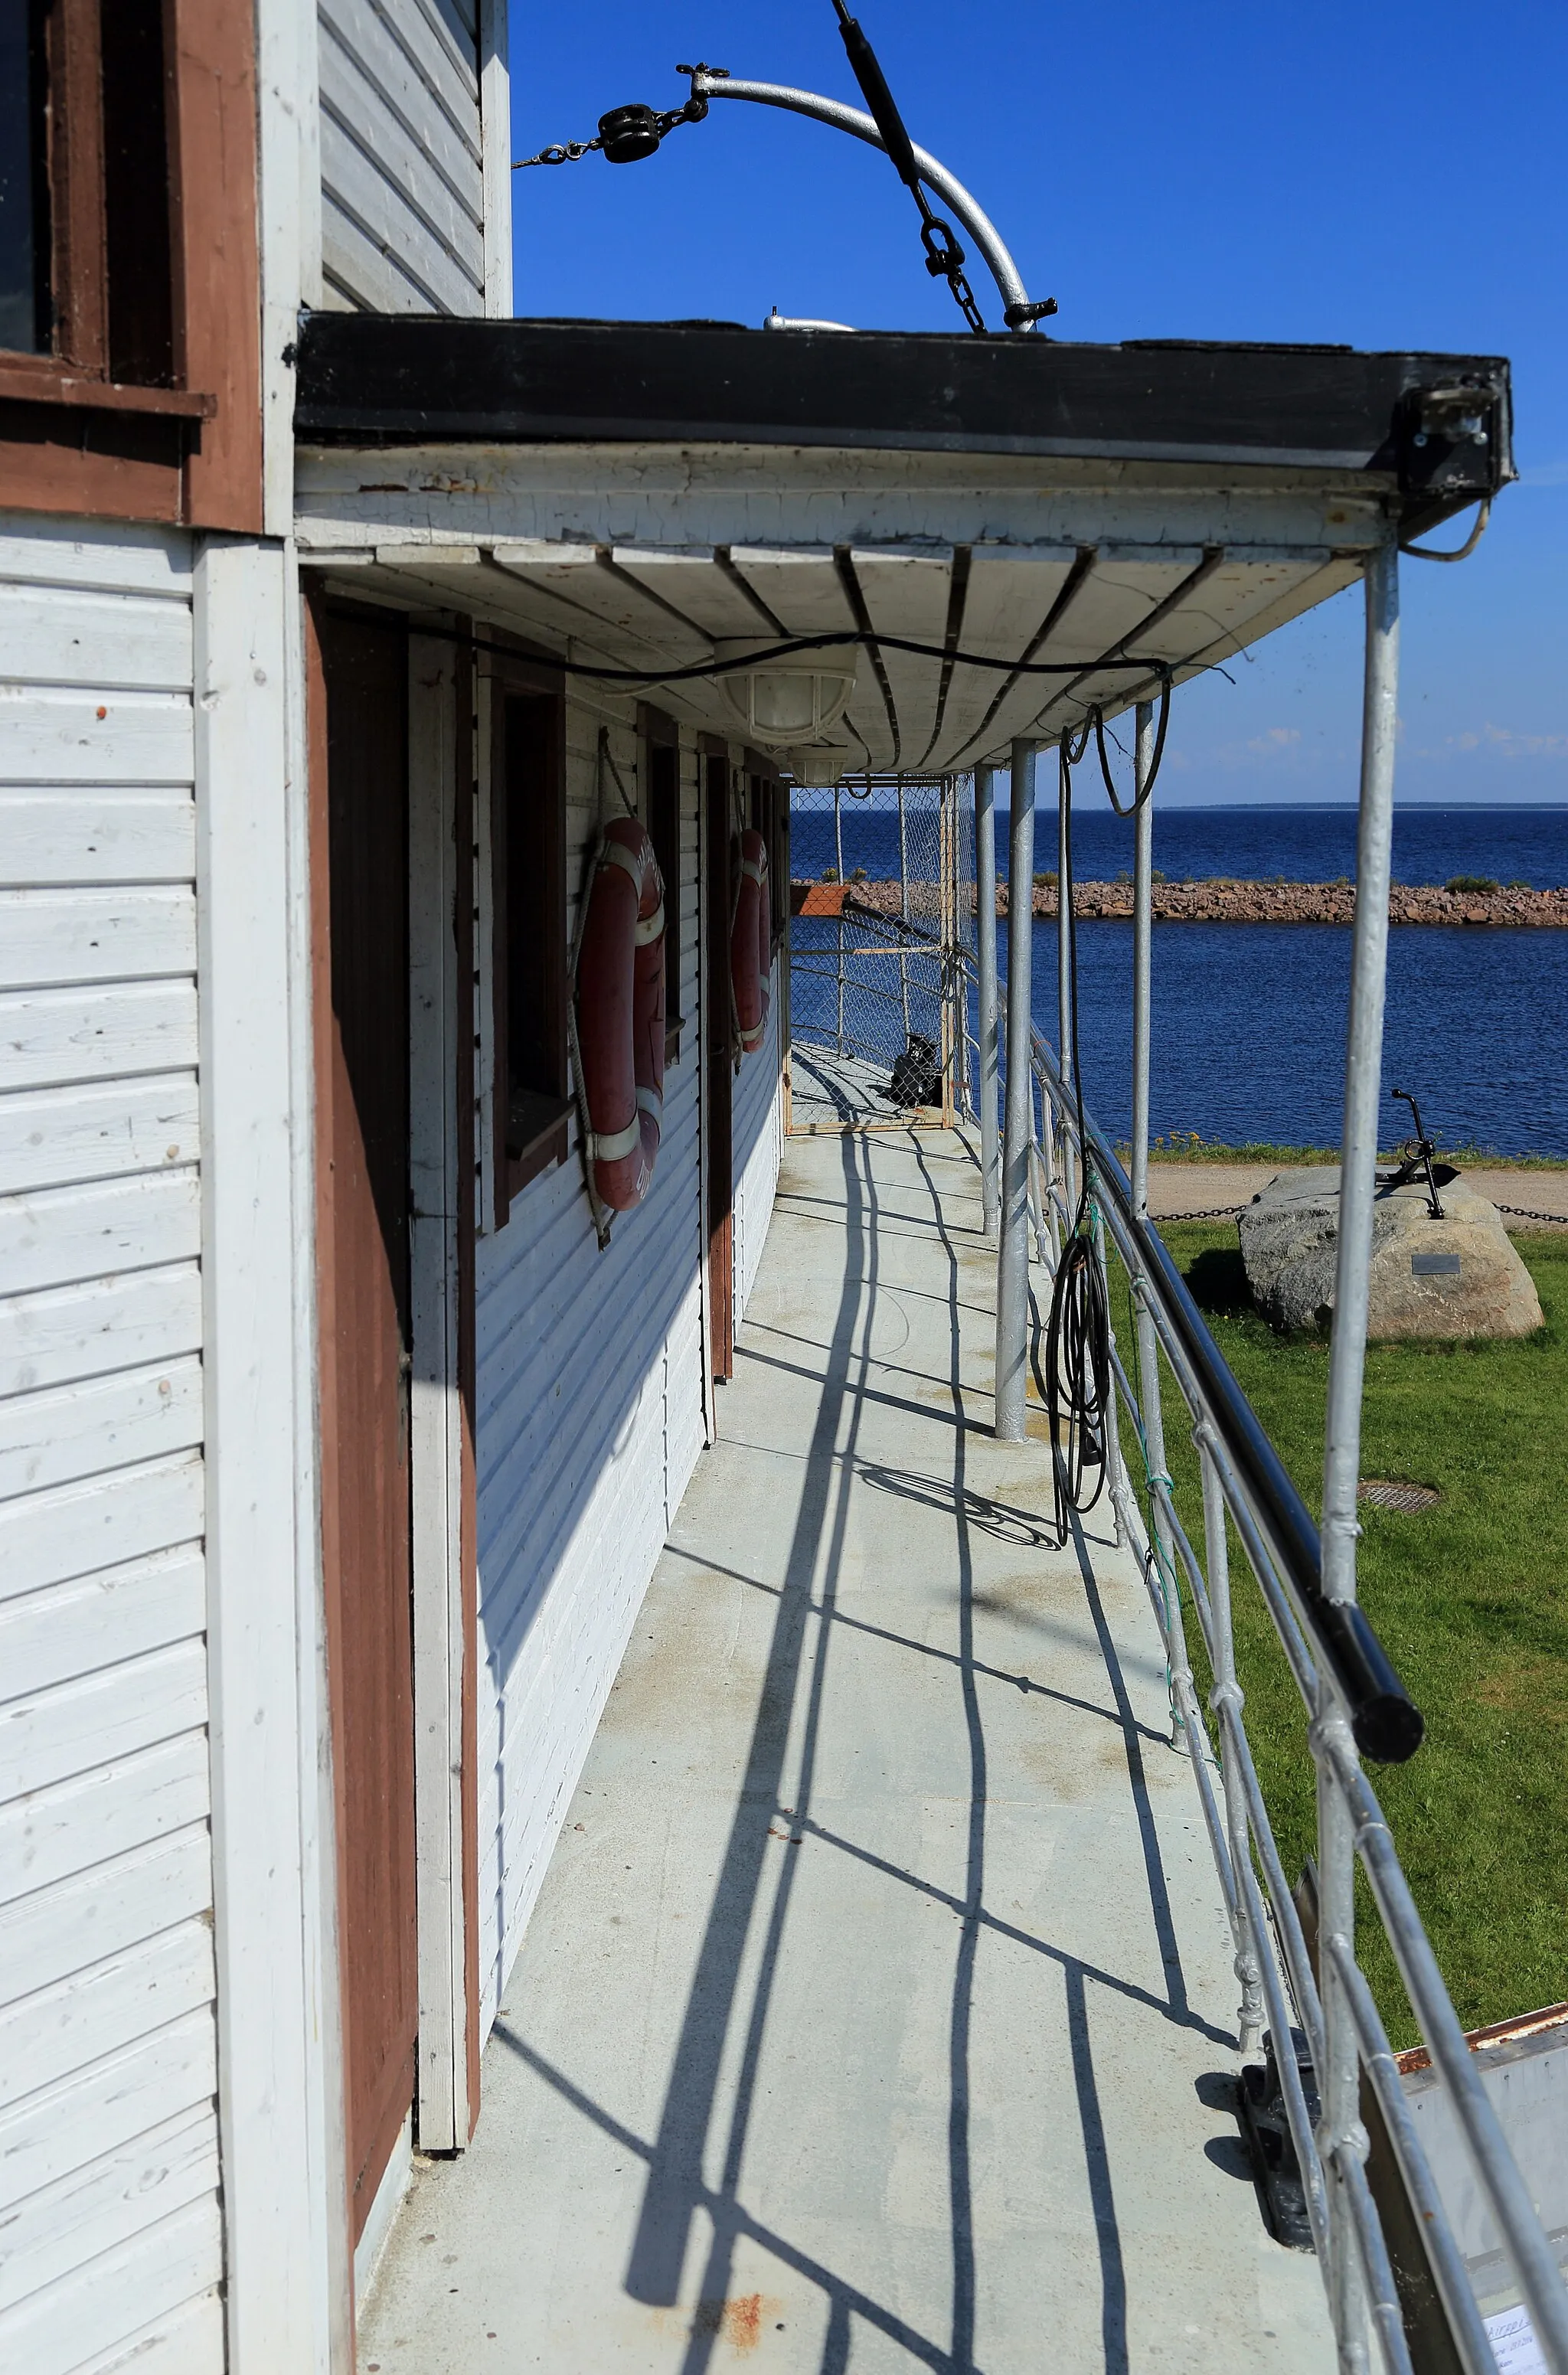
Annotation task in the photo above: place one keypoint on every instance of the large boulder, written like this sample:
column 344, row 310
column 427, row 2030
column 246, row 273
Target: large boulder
column 1459, row 1276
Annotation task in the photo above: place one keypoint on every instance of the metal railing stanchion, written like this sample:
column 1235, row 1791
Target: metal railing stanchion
column 985, row 936
column 1063, row 976
column 838, row 868
column 1352, row 1695
column 1143, row 919
column 1341, row 2129
column 1012, row 1256
column 904, row 909
column 1226, row 1694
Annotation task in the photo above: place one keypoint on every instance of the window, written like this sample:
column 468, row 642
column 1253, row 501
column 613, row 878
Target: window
column 528, row 926
column 661, row 773
column 24, row 184
column 86, row 226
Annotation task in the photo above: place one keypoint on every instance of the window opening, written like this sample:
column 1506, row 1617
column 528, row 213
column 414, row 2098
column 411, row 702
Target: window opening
column 528, row 843
column 661, row 761
column 86, row 200
column 25, row 324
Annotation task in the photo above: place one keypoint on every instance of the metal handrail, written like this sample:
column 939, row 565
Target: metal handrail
column 1368, row 1705
column 1386, row 1723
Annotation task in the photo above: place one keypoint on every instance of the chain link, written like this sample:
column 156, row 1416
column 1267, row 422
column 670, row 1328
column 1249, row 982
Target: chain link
column 567, row 152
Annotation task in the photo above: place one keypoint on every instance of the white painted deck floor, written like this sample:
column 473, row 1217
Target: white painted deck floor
column 870, row 2015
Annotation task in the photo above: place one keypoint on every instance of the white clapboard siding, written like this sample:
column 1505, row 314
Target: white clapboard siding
column 64, row 635
column 56, row 1734
column 58, row 2029
column 130, row 933
column 64, row 1137
column 51, row 1036
column 77, row 2323
column 589, row 1424
column 79, row 1430
column 79, row 2119
column 52, row 1833
column 123, row 1321
column 110, row 2248
column 401, row 157
column 87, row 2213
column 119, row 1613
column 106, row 1909
column 83, row 1232
column 67, row 735
column 55, row 837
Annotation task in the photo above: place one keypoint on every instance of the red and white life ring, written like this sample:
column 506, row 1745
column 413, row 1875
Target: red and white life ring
column 621, row 1014
column 750, row 943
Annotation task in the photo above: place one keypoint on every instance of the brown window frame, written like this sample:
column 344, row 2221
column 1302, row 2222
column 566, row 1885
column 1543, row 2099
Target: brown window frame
column 658, row 753
column 146, row 403
column 528, row 902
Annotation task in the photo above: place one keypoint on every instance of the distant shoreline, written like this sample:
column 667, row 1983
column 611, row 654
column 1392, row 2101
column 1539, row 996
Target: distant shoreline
column 1219, row 901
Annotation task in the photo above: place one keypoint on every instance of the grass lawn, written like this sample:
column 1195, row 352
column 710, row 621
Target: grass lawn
column 1470, row 1600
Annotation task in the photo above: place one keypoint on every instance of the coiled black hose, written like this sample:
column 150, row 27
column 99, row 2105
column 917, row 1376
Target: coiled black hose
column 1079, row 1404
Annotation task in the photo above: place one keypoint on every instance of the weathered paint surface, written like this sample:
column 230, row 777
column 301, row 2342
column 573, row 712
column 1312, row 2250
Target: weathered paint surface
column 109, row 2211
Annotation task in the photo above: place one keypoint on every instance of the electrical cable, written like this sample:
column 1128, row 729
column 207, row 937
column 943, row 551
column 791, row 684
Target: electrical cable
column 1459, row 551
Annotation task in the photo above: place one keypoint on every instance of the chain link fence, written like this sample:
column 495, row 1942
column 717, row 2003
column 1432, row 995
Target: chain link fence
column 882, row 906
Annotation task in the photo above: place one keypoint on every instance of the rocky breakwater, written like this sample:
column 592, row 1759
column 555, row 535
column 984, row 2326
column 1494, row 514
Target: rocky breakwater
column 1216, row 902
column 1456, row 1276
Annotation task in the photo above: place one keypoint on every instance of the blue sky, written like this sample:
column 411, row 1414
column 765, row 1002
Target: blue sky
column 1387, row 177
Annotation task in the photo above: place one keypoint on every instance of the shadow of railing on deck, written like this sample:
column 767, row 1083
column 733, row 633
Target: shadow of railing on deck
column 676, row 2189
column 676, row 2186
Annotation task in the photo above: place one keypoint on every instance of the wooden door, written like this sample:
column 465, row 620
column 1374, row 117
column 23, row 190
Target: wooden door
column 719, row 1023
column 362, row 1137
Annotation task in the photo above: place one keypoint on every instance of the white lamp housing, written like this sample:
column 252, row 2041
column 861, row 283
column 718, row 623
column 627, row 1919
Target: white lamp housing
column 789, row 702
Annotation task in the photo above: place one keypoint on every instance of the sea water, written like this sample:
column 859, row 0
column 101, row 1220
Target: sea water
column 1249, row 1019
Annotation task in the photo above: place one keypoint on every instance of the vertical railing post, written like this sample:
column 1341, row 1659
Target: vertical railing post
column 1340, row 2130
column 837, row 868
column 1143, row 934
column 1227, row 1696
column 904, row 910
column 1049, row 1156
column 1064, row 979
column 986, row 940
column 1012, row 1257
column 946, row 936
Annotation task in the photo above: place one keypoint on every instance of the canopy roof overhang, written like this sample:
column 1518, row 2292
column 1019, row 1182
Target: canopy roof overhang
column 624, row 496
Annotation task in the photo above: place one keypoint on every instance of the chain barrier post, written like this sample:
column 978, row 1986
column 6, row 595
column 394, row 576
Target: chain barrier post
column 1012, row 1257
column 1341, row 2132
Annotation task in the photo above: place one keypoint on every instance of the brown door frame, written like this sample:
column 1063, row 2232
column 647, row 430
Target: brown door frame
column 445, row 756
column 367, row 2154
column 446, row 753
